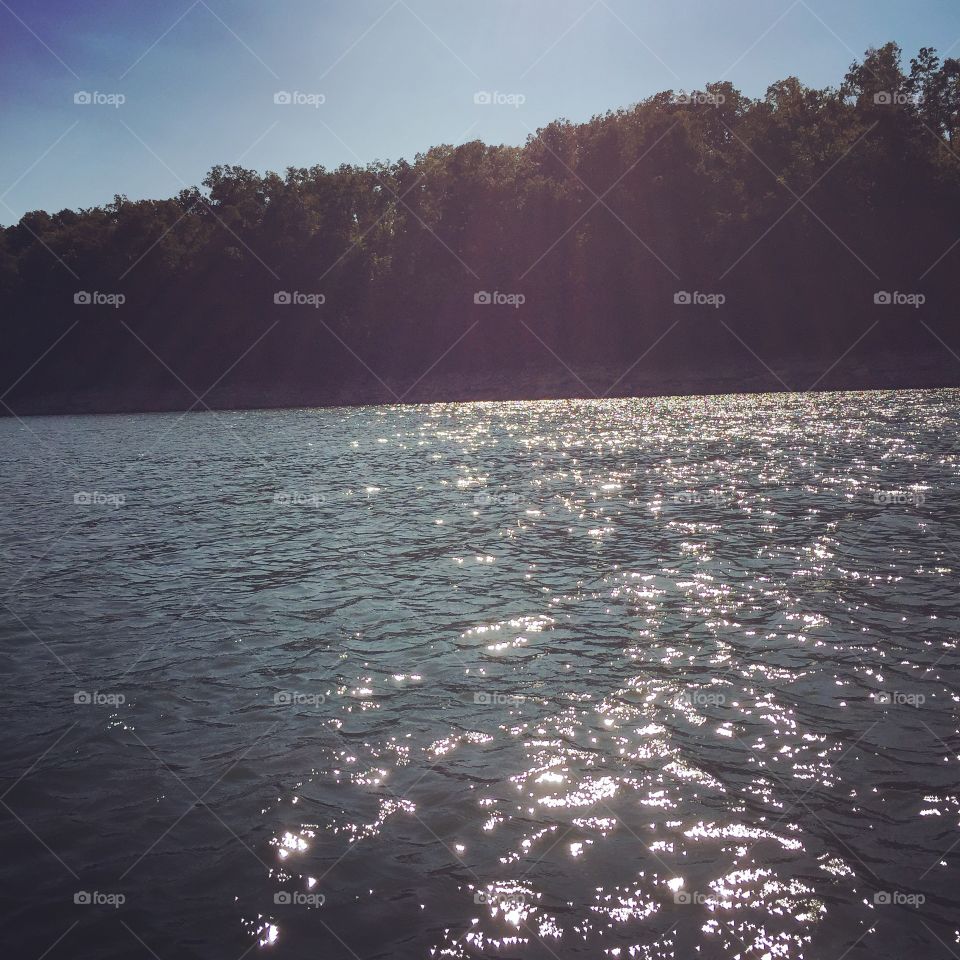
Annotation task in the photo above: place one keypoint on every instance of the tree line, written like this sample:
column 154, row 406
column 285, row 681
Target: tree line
column 697, row 231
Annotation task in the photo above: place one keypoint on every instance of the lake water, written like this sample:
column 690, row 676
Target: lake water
column 641, row 678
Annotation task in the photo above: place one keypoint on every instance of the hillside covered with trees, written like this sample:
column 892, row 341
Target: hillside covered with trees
column 792, row 216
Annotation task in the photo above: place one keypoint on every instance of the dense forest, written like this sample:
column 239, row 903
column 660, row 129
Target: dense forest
column 789, row 216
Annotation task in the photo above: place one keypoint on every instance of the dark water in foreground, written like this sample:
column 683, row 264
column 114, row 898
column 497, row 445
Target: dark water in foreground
column 653, row 679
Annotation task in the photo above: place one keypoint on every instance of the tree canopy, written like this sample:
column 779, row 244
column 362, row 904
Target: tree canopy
column 797, row 207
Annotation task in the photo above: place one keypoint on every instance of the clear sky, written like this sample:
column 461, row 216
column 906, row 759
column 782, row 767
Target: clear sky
column 199, row 77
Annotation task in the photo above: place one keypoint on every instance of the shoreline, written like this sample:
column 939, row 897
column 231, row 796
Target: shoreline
column 931, row 372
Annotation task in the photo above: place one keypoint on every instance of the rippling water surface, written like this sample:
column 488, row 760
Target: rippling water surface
column 639, row 678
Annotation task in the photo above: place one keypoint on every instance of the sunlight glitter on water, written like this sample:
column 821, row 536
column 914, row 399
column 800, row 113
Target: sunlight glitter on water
column 652, row 695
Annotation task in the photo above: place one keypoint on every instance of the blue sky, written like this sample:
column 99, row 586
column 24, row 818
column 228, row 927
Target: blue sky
column 397, row 76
